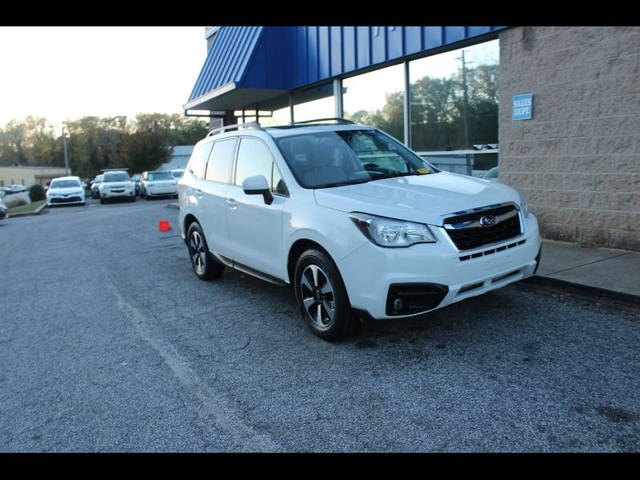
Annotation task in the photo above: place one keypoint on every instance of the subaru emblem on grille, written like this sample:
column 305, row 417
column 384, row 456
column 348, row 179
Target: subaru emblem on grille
column 488, row 220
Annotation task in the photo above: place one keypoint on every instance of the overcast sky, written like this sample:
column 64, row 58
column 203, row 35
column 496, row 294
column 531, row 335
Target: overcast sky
column 65, row 73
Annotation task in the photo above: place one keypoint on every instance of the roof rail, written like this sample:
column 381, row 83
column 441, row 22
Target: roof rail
column 337, row 119
column 113, row 169
column 238, row 125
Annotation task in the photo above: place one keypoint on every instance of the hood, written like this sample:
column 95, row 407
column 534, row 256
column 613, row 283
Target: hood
column 65, row 191
column 124, row 183
column 418, row 198
column 161, row 182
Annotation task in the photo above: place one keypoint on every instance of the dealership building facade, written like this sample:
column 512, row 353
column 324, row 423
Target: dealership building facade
column 559, row 105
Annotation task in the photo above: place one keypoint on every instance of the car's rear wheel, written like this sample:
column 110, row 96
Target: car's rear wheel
column 205, row 266
column 322, row 296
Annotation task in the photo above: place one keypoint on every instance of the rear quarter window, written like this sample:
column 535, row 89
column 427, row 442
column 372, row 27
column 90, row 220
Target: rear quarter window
column 221, row 160
column 198, row 161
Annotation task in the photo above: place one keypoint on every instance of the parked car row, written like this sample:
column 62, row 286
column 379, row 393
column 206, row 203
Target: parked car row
column 114, row 184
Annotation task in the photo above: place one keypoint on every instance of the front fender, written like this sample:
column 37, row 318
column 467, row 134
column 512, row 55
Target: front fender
column 332, row 229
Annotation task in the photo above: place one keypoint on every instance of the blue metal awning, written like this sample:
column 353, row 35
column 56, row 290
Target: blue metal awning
column 256, row 67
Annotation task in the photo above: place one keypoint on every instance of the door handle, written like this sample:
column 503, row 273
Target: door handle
column 232, row 203
column 198, row 192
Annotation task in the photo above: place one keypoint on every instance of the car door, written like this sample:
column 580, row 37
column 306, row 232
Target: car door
column 214, row 189
column 255, row 228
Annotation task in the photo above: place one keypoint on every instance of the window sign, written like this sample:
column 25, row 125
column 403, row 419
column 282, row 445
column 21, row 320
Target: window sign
column 522, row 106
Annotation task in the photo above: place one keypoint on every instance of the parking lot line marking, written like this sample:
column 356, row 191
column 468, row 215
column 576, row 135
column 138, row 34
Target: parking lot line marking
column 211, row 403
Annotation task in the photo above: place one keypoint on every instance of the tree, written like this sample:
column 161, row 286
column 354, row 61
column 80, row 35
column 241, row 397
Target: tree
column 95, row 143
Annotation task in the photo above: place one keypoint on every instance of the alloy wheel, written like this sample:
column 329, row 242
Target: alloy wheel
column 197, row 252
column 318, row 297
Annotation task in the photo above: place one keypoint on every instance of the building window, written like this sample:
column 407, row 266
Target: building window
column 377, row 99
column 312, row 103
column 443, row 118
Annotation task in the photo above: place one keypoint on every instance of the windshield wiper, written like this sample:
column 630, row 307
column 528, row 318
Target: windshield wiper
column 342, row 184
column 395, row 174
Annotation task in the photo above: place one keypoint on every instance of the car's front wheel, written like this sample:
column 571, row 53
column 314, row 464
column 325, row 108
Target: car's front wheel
column 322, row 296
column 205, row 266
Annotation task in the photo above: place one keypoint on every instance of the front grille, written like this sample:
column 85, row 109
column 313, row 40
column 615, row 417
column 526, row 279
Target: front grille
column 466, row 232
column 64, row 199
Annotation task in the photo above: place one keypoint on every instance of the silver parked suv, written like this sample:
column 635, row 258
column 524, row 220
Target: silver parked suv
column 356, row 222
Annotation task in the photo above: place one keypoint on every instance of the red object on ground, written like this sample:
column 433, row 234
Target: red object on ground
column 163, row 225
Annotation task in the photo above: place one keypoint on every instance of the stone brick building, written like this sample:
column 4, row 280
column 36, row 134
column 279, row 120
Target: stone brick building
column 577, row 159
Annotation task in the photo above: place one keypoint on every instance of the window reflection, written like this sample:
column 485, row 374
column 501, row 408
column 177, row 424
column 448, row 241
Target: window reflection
column 442, row 116
column 312, row 103
column 377, row 99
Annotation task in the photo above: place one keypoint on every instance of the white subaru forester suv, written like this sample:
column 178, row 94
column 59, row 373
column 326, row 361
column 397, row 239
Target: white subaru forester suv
column 357, row 223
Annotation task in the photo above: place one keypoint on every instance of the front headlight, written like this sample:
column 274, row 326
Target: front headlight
column 388, row 232
column 524, row 206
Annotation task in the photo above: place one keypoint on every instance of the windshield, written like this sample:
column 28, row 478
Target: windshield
column 64, row 184
column 331, row 159
column 115, row 177
column 159, row 176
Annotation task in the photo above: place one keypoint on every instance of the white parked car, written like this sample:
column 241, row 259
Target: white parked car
column 4, row 211
column 65, row 190
column 356, row 222
column 116, row 184
column 158, row 184
column 177, row 173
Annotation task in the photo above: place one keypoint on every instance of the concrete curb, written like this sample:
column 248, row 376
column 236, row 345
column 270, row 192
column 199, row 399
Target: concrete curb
column 37, row 211
column 579, row 289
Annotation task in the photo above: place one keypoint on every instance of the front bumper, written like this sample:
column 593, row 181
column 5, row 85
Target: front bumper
column 71, row 200
column 117, row 193
column 162, row 191
column 370, row 270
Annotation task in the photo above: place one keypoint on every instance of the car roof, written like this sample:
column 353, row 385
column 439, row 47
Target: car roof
column 71, row 177
column 291, row 130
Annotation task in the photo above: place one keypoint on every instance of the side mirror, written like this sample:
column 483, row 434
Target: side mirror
column 257, row 185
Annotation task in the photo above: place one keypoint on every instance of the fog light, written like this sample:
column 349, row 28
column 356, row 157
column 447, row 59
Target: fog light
column 397, row 305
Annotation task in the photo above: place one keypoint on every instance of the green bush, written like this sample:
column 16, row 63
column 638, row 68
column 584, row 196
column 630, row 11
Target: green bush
column 36, row 193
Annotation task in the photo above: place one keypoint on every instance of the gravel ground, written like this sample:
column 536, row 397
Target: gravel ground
column 109, row 342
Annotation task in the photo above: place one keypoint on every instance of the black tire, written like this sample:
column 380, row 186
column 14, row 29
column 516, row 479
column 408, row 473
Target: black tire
column 102, row 200
column 324, row 294
column 205, row 265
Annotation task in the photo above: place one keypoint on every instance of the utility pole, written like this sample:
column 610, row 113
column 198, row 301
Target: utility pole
column 66, row 160
column 465, row 101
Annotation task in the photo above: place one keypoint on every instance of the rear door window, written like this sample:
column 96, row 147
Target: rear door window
column 254, row 158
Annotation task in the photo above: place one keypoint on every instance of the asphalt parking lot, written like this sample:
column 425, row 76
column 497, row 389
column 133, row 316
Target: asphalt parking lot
column 109, row 342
